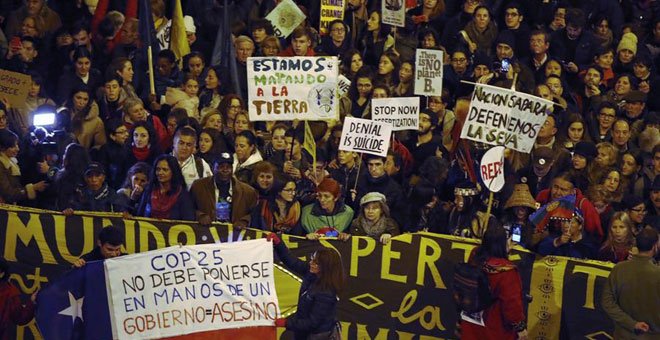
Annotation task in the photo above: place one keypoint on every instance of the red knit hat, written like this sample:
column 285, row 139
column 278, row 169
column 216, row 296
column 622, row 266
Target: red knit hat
column 329, row 185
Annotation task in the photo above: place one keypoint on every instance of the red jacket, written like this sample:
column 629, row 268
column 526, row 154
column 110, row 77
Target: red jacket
column 507, row 312
column 12, row 311
column 591, row 217
column 288, row 52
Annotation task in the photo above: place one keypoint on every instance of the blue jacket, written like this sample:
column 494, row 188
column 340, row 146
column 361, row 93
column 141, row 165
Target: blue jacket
column 317, row 310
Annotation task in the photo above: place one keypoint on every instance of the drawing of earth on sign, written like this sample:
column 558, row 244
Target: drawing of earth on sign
column 322, row 99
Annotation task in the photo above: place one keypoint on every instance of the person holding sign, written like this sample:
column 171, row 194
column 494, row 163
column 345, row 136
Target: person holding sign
column 108, row 245
column 323, row 280
column 329, row 215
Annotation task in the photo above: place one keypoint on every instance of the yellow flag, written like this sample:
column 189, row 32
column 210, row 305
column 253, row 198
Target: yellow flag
column 310, row 145
column 178, row 40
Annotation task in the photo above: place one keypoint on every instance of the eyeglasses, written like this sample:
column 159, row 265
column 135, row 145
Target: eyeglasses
column 459, row 60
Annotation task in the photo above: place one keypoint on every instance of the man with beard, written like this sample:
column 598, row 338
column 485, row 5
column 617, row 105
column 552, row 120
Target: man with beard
column 466, row 219
column 426, row 144
column 355, row 17
column 223, row 197
column 574, row 44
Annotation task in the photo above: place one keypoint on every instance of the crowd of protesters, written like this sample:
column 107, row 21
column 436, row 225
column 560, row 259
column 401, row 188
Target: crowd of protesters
column 190, row 152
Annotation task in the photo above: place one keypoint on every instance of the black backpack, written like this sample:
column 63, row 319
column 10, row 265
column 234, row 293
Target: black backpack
column 471, row 289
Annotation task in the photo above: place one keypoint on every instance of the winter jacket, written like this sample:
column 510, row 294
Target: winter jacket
column 314, row 218
column 92, row 131
column 506, row 316
column 317, row 310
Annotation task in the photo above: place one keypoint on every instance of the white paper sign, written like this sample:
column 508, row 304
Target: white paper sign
column 428, row 72
column 366, row 136
column 288, row 88
column 285, row 18
column 504, row 117
column 343, row 85
column 163, row 35
column 491, row 168
column 191, row 289
column 394, row 12
column 402, row 112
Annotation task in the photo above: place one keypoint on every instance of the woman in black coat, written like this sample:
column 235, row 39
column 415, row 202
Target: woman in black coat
column 323, row 280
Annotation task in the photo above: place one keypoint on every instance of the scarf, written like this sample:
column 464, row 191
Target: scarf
column 485, row 39
column 101, row 194
column 373, row 229
column 141, row 154
column 10, row 164
column 162, row 203
column 275, row 222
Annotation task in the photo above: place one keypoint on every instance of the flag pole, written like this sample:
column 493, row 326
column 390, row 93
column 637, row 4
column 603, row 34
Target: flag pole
column 357, row 176
column 150, row 60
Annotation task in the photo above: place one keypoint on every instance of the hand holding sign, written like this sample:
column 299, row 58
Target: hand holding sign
column 366, row 136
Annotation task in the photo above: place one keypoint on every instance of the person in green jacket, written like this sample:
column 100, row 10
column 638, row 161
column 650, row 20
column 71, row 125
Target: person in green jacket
column 631, row 302
column 328, row 216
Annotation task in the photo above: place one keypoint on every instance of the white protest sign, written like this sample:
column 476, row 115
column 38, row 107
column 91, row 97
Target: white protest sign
column 188, row 289
column 402, row 112
column 504, row 117
column 428, row 72
column 394, row 12
column 285, row 17
column 343, row 85
column 330, row 10
column 491, row 168
column 366, row 136
column 288, row 88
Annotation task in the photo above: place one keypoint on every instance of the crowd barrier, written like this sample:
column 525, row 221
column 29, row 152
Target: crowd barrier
column 398, row 291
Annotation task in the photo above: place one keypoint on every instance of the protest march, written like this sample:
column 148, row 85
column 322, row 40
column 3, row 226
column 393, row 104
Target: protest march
column 331, row 169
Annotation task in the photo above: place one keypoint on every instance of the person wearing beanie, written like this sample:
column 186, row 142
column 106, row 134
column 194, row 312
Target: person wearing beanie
column 583, row 155
column 505, row 47
column 572, row 242
column 374, row 219
column 328, row 215
column 625, row 53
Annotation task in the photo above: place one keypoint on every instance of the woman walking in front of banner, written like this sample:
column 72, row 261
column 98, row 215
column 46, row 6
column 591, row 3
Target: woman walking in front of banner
column 323, row 280
column 504, row 318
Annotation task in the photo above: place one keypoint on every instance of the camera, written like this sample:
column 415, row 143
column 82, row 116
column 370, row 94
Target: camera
column 502, row 67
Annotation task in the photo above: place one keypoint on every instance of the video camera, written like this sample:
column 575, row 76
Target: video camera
column 47, row 133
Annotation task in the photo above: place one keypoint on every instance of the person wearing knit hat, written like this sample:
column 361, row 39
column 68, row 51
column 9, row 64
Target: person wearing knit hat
column 374, row 219
column 507, row 38
column 627, row 48
column 328, row 215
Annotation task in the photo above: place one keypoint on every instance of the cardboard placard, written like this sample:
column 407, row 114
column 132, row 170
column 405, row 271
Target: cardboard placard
column 393, row 12
column 499, row 116
column 14, row 87
column 402, row 112
column 288, row 88
column 428, row 72
column 365, row 136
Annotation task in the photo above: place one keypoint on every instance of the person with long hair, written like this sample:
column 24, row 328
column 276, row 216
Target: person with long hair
column 86, row 124
column 209, row 95
column 70, row 177
column 229, row 107
column 280, row 211
column 263, row 178
column 505, row 317
column 388, row 70
column 351, row 62
column 620, row 239
column 123, row 67
column 166, row 196
column 82, row 73
column 323, row 281
column 376, row 39
column 136, row 180
column 211, row 143
column 576, row 131
column 356, row 102
column 481, row 32
column 143, row 145
column 406, row 84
